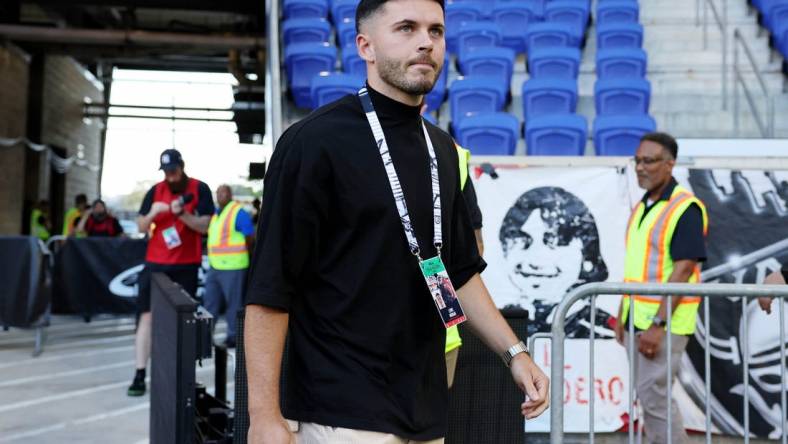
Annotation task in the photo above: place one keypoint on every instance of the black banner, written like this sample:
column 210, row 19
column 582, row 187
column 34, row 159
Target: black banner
column 99, row 275
column 747, row 240
column 23, row 295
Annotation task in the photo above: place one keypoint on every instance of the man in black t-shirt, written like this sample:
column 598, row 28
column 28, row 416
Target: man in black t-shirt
column 335, row 269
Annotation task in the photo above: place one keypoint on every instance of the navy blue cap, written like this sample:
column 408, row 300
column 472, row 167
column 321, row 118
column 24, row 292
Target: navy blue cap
column 170, row 159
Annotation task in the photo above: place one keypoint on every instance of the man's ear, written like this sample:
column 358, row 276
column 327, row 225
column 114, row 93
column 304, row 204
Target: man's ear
column 364, row 46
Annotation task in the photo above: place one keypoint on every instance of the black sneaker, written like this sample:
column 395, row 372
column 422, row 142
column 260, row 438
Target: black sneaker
column 137, row 387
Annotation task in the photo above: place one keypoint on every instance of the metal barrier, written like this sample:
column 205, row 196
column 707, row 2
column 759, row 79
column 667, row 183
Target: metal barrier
column 722, row 22
column 765, row 125
column 743, row 291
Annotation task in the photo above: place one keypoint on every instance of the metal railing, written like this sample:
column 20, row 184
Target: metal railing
column 721, row 19
column 765, row 124
column 743, row 291
column 273, row 79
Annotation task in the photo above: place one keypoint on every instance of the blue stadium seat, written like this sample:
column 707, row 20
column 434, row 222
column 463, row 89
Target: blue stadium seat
column 775, row 12
column 430, row 118
column 549, row 96
column 496, row 61
column 489, row 134
column 621, row 62
column 351, row 62
column 619, row 35
column 434, row 98
column 536, row 5
column 781, row 40
column 309, row 30
column 513, row 19
column 546, row 34
column 556, row 135
column 470, row 95
column 574, row 13
column 477, row 35
column 342, row 10
column 622, row 96
column 305, row 9
column 617, row 11
column 346, row 33
column 620, row 135
column 458, row 13
column 303, row 61
column 557, row 62
column 327, row 88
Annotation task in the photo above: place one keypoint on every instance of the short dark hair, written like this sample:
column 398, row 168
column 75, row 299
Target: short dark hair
column 567, row 217
column 665, row 140
column 81, row 199
column 367, row 8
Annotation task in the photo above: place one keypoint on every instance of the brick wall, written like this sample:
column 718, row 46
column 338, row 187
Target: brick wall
column 66, row 87
column 14, row 75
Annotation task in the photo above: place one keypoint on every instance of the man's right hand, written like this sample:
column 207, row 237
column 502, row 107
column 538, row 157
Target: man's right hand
column 274, row 432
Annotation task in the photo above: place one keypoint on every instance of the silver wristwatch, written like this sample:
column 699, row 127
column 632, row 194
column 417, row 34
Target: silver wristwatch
column 513, row 351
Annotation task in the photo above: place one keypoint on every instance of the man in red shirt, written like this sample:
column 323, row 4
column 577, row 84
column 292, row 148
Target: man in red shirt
column 176, row 212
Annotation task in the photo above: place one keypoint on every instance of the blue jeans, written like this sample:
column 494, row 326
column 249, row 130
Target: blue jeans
column 225, row 288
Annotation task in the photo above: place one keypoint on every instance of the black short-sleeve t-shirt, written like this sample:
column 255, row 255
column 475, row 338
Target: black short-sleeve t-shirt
column 366, row 342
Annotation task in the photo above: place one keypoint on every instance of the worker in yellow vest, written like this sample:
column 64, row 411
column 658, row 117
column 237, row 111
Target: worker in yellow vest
column 40, row 225
column 230, row 236
column 665, row 243
column 453, row 340
column 74, row 214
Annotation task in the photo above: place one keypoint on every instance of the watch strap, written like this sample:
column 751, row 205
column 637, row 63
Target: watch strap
column 513, row 351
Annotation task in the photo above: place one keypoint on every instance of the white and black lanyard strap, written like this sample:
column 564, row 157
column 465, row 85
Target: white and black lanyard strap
column 396, row 187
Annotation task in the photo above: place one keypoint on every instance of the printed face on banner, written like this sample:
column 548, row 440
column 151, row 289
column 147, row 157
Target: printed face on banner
column 541, row 267
column 550, row 244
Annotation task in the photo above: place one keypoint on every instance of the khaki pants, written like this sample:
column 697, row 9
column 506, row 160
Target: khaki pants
column 310, row 433
column 451, row 365
column 652, row 386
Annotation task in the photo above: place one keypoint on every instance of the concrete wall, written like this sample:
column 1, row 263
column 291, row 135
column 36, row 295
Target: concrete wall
column 67, row 86
column 47, row 110
column 14, row 73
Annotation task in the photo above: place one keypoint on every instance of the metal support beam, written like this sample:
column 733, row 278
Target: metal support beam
column 106, row 37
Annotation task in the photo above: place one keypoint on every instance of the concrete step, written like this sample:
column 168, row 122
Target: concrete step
column 691, row 82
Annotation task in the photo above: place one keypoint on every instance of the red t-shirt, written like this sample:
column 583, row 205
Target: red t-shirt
column 185, row 244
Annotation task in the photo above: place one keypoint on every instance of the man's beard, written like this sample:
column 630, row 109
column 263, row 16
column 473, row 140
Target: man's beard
column 180, row 186
column 100, row 216
column 392, row 72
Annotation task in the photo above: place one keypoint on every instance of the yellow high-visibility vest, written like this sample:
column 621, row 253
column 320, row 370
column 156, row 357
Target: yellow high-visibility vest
column 36, row 229
column 68, row 221
column 648, row 259
column 226, row 245
column 453, row 339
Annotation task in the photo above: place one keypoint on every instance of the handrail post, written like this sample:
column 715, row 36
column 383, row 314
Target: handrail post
column 724, row 26
column 705, row 24
column 273, row 81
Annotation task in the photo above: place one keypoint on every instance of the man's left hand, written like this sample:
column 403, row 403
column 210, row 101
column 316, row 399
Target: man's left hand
column 176, row 207
column 651, row 341
column 530, row 378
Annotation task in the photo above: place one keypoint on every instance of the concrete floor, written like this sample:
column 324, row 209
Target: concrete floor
column 75, row 391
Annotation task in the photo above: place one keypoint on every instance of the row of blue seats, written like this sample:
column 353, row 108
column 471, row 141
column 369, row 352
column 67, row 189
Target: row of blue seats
column 302, row 64
column 341, row 10
column 552, row 134
column 534, row 36
column 547, row 103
